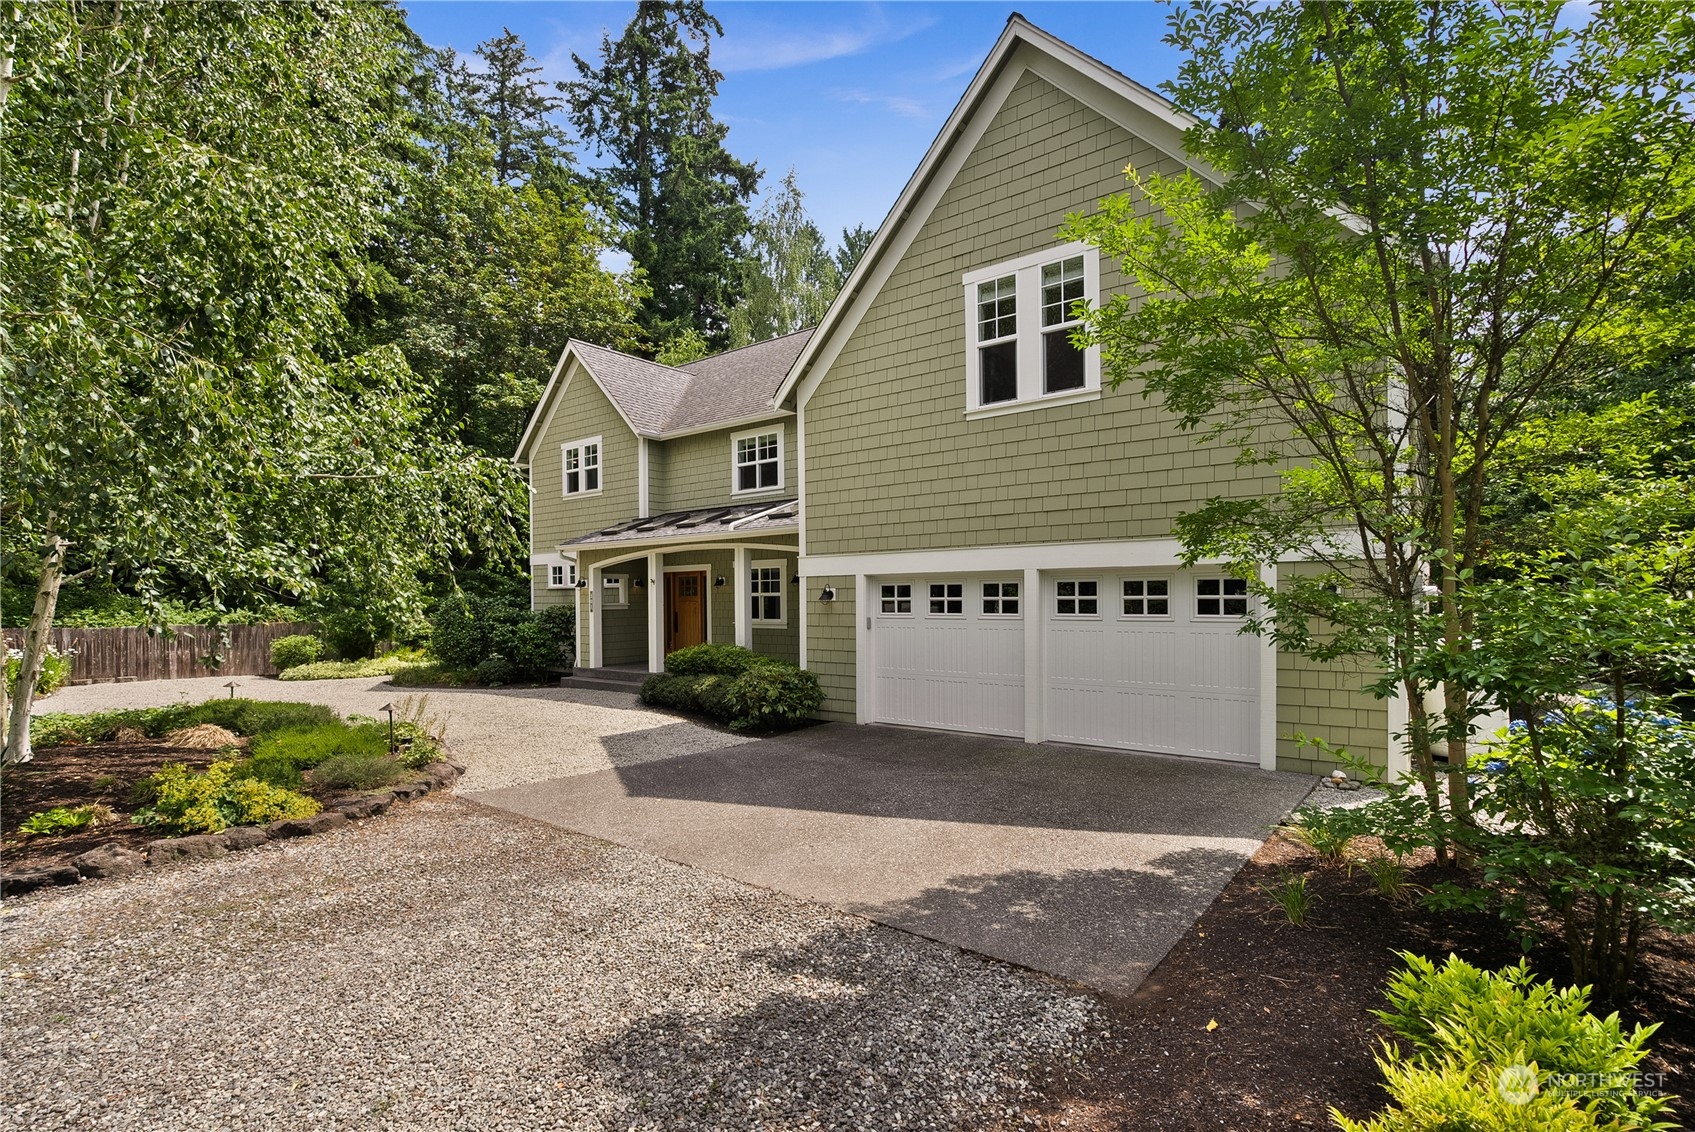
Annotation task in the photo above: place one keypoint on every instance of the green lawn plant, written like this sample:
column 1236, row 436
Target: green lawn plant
column 1488, row 1051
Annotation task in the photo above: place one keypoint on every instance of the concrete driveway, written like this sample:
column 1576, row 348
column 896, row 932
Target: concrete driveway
column 1085, row 864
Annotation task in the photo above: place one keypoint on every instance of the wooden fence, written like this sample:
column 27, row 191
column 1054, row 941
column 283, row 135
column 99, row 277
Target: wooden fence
column 106, row 655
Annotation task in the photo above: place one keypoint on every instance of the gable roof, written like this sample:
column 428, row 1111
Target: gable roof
column 1110, row 92
column 659, row 401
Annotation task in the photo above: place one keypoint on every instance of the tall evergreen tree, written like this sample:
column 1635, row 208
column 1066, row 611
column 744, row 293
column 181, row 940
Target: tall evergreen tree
column 789, row 278
column 515, row 106
column 680, row 196
column 855, row 242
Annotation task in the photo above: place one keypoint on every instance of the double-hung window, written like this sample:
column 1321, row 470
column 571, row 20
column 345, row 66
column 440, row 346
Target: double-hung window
column 757, row 461
column 1019, row 320
column 581, row 466
column 766, row 594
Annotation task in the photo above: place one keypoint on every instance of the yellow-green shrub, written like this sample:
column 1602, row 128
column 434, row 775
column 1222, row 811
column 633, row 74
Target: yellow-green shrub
column 215, row 799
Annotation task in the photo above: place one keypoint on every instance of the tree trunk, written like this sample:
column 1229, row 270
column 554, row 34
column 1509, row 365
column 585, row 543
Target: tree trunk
column 35, row 650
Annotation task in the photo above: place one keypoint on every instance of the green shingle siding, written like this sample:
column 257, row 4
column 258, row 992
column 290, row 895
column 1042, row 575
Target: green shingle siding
column 694, row 471
column 830, row 645
column 582, row 411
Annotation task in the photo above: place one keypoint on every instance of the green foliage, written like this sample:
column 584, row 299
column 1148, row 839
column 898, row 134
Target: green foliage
column 495, row 670
column 1389, row 875
column 389, row 665
column 1326, row 831
column 55, row 670
column 715, row 659
column 685, row 346
column 358, row 772
column 241, row 716
column 431, row 675
column 185, row 802
column 788, row 276
column 1462, row 1029
column 91, row 603
column 293, row 651
column 1289, row 892
column 771, row 695
column 680, row 198
column 491, row 619
column 63, row 819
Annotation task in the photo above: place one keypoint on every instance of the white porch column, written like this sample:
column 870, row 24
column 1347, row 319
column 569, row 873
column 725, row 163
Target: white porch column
column 1035, row 660
column 740, row 593
column 597, row 635
column 655, row 611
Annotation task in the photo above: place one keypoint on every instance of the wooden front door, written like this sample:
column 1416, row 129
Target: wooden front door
column 685, row 611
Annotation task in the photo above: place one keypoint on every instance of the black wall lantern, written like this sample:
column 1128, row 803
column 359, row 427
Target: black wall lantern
column 827, row 594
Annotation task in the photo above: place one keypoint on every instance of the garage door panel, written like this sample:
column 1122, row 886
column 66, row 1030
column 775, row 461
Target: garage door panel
column 963, row 672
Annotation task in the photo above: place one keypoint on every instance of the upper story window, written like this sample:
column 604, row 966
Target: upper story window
column 1020, row 316
column 581, row 466
column 757, row 461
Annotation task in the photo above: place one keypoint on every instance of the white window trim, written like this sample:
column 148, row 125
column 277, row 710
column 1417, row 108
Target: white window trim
column 1028, row 270
column 619, row 584
column 1171, row 598
column 737, row 437
column 782, row 621
column 1095, row 616
column 911, row 598
column 600, row 465
column 1196, row 597
column 964, row 600
column 1018, row 597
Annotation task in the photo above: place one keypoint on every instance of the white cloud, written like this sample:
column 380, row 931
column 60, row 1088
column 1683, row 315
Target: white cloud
column 762, row 47
column 895, row 104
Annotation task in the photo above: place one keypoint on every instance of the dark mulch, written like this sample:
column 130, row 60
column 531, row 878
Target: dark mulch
column 1294, row 1033
column 99, row 773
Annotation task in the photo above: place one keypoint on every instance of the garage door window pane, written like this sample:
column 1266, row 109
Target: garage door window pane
column 1147, row 597
column 947, row 598
column 897, row 598
column 1077, row 599
column 1000, row 599
column 1221, row 597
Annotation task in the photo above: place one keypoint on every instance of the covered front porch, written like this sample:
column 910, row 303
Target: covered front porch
column 642, row 597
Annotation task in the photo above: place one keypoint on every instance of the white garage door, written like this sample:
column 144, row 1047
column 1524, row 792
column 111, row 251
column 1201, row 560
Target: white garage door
column 949, row 652
column 1152, row 661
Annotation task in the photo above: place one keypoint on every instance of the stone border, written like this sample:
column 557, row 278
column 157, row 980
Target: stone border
column 113, row 859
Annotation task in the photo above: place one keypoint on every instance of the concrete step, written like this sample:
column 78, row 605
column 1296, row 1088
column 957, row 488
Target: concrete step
column 606, row 680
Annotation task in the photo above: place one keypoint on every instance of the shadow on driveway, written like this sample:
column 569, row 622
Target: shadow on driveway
column 1084, row 864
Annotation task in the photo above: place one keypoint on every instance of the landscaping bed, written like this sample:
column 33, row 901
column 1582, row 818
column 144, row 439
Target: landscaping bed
column 1294, row 1031
column 156, row 784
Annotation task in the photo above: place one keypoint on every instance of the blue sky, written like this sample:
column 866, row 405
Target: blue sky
column 848, row 94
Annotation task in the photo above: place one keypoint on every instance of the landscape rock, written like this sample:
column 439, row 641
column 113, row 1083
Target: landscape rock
column 27, row 880
column 365, row 805
column 109, row 860
column 182, row 848
column 305, row 827
column 406, row 791
column 440, row 774
column 244, row 837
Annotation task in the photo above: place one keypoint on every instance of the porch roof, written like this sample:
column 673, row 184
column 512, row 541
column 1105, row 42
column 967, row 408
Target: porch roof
column 737, row 518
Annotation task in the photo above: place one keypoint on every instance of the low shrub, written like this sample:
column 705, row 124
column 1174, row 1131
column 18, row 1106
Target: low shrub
column 390, row 665
column 431, row 675
column 184, row 802
column 496, row 671
column 357, row 771
column 715, row 660
column 55, row 670
column 1326, row 831
column 293, row 651
column 243, row 716
column 756, row 696
column 1501, row 1049
column 64, row 819
column 490, row 617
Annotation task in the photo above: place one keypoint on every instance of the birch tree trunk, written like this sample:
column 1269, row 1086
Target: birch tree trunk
column 35, row 650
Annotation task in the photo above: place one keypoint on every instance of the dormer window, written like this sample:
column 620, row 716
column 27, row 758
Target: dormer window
column 1013, row 363
column 756, row 461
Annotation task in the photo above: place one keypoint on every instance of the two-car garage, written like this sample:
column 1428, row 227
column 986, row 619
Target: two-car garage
column 1144, row 659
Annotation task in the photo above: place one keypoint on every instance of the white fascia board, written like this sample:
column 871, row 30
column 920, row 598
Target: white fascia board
column 1127, row 554
column 1090, row 81
column 521, row 455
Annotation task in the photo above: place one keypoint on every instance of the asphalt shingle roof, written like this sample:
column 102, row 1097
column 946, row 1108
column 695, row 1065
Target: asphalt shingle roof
column 660, row 399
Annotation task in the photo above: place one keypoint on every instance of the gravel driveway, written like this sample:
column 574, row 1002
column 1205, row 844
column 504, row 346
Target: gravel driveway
column 449, row 966
column 504, row 736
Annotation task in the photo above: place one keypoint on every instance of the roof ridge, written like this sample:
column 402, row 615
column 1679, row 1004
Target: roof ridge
column 749, row 346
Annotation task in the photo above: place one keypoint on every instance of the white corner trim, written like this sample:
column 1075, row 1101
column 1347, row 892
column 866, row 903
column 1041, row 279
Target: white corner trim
column 1268, row 685
column 643, row 511
column 1400, row 760
column 800, row 485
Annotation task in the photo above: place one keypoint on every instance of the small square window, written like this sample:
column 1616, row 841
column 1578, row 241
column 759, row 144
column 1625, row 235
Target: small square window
column 1221, row 597
column 897, row 598
column 615, row 590
column 1077, row 598
column 1000, row 599
column 1147, row 597
column 947, row 598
